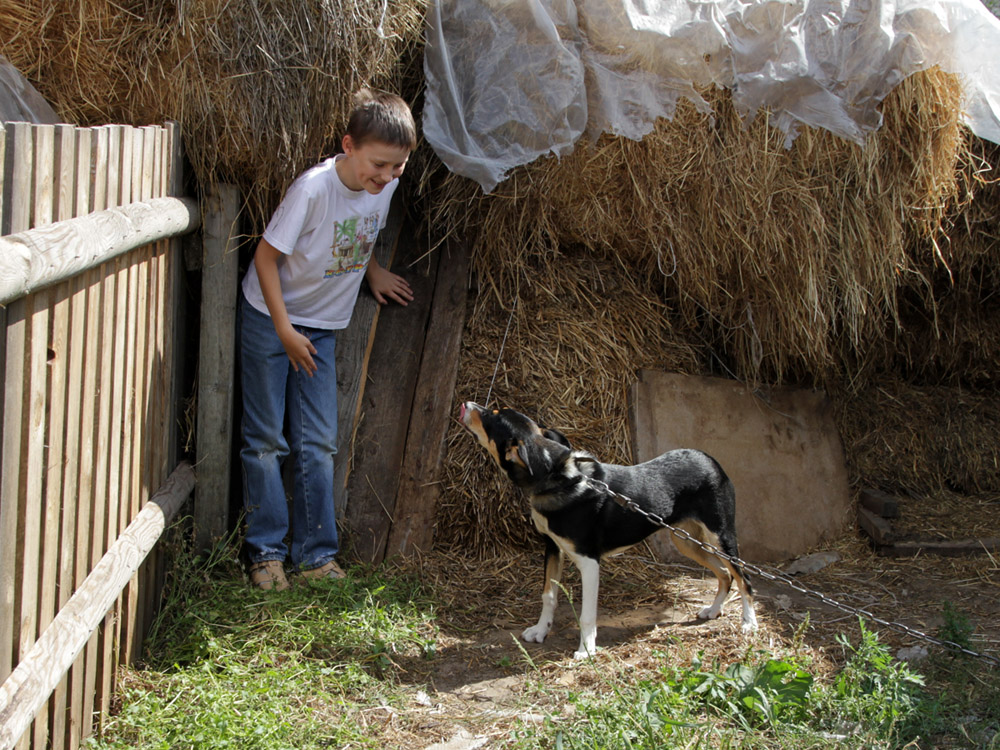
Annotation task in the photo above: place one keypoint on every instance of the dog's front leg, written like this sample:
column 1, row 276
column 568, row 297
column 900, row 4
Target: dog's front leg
column 550, row 593
column 590, row 574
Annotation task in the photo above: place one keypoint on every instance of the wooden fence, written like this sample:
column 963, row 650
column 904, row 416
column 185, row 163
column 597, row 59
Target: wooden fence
column 89, row 408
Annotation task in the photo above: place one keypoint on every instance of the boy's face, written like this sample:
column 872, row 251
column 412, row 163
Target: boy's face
column 372, row 165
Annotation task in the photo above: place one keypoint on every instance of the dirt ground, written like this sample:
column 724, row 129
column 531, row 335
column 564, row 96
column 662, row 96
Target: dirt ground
column 484, row 678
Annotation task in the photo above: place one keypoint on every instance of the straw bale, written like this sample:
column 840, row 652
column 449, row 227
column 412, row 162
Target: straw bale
column 708, row 248
column 578, row 333
column 261, row 88
column 778, row 259
column 921, row 440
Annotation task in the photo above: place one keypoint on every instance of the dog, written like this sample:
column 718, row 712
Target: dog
column 573, row 505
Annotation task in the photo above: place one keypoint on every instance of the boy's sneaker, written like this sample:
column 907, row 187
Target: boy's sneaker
column 269, row 575
column 326, row 570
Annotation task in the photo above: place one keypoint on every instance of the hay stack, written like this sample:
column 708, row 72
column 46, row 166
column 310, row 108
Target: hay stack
column 708, row 248
column 261, row 89
column 774, row 258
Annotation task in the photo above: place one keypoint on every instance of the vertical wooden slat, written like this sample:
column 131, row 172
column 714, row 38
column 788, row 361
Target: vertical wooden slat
column 80, row 449
column 142, row 181
column 98, row 302
column 58, row 523
column 41, row 565
column 34, row 486
column 18, row 148
column 155, row 383
column 112, row 341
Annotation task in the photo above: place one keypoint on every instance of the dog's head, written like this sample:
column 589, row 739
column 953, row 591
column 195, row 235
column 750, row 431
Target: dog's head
column 525, row 450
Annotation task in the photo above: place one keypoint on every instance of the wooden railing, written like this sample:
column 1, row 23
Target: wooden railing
column 89, row 420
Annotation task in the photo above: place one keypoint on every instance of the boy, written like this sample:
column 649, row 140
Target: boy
column 301, row 289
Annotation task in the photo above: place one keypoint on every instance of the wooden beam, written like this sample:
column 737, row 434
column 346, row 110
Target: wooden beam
column 34, row 678
column 945, row 548
column 216, row 363
column 36, row 258
column 875, row 526
column 419, row 488
column 387, row 403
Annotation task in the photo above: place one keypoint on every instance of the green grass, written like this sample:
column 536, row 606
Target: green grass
column 226, row 666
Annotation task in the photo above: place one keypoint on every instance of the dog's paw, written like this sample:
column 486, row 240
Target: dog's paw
column 749, row 624
column 583, row 654
column 535, row 634
column 708, row 613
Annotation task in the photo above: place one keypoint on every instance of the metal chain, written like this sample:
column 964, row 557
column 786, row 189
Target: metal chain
column 780, row 577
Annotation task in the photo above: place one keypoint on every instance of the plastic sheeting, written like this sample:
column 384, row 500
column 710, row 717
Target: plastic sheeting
column 509, row 81
column 19, row 100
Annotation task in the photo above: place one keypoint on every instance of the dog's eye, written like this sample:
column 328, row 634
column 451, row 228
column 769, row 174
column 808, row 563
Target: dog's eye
column 496, row 411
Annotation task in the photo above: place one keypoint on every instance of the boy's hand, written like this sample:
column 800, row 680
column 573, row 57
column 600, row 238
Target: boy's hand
column 385, row 284
column 299, row 349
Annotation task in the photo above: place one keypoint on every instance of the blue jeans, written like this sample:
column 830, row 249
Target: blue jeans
column 272, row 391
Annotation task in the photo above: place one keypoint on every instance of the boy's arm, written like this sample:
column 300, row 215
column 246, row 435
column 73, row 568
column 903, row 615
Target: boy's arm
column 384, row 283
column 297, row 346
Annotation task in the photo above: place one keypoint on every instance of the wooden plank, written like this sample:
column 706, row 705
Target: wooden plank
column 131, row 186
column 173, row 355
column 216, row 364
column 875, row 526
column 99, row 303
column 42, row 568
column 354, row 346
column 80, row 441
column 30, row 568
column 419, row 489
column 18, row 150
column 66, row 340
column 880, row 503
column 387, row 401
column 119, row 166
column 29, row 685
column 945, row 548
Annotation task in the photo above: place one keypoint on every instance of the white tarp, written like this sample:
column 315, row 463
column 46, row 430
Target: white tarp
column 509, row 81
column 19, row 101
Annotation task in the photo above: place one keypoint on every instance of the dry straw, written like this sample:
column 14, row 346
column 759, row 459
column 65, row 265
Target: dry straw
column 262, row 89
column 708, row 248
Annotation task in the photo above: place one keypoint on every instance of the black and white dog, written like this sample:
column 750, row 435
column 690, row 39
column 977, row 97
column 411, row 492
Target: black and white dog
column 573, row 508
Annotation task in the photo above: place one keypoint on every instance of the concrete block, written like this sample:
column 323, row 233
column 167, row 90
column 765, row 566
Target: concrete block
column 781, row 449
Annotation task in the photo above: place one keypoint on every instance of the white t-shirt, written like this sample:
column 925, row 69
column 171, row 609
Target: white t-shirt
column 326, row 233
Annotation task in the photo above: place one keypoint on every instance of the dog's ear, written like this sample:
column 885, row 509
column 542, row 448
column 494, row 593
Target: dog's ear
column 538, row 455
column 555, row 436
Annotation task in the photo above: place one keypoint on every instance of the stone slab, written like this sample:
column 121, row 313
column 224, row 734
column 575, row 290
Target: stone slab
column 781, row 449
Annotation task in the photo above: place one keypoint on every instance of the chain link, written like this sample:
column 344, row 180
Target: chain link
column 779, row 577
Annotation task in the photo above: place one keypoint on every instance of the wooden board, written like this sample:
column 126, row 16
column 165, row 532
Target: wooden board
column 216, row 364
column 386, row 405
column 354, row 346
column 419, row 489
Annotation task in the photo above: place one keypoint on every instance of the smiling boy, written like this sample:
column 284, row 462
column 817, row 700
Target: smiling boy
column 299, row 291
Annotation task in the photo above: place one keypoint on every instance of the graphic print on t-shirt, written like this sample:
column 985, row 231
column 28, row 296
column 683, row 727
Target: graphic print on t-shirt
column 353, row 240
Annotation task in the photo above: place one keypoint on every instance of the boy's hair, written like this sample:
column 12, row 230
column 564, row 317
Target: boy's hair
column 381, row 116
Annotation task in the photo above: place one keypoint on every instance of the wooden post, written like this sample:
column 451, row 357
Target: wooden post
column 34, row 678
column 216, row 363
column 419, row 488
